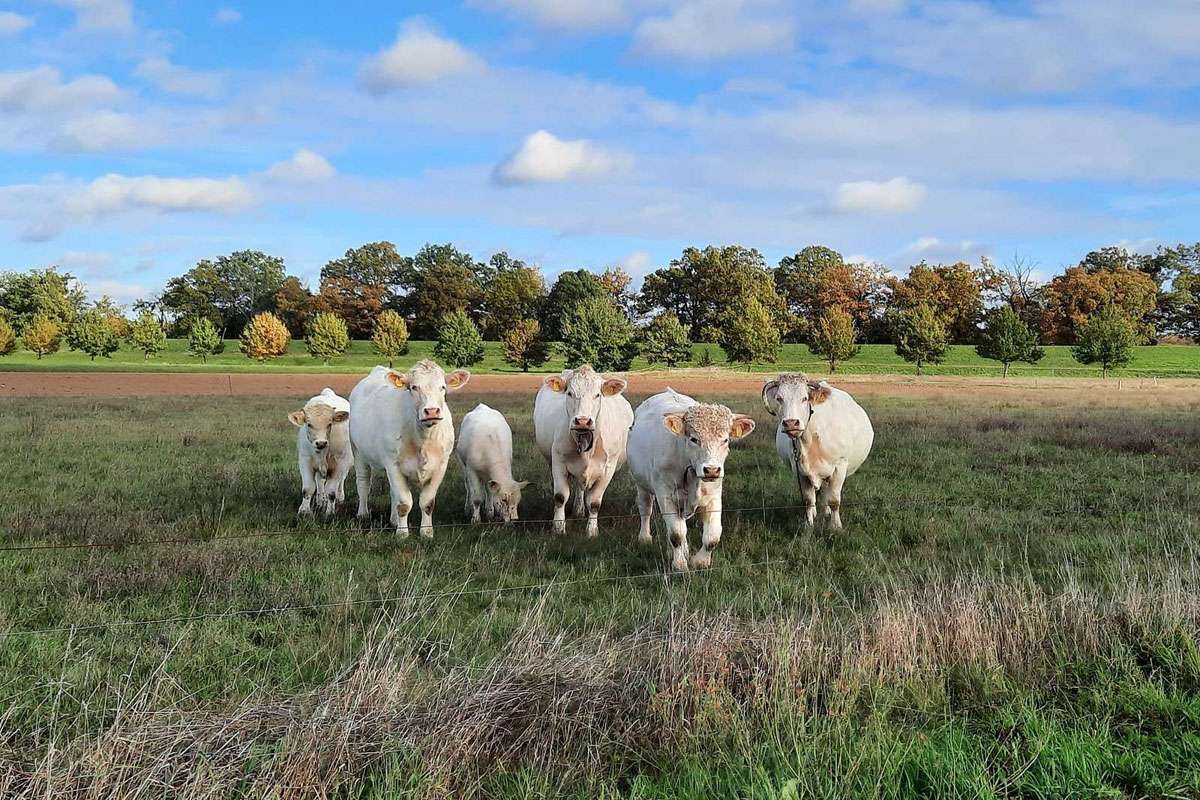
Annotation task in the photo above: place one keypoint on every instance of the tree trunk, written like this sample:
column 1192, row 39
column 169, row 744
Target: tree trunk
column 1006, row 369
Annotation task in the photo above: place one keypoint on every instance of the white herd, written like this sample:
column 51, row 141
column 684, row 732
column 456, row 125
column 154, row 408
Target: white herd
column 400, row 424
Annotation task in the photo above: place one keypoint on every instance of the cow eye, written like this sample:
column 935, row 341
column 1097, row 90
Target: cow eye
column 597, row 395
column 726, row 440
column 693, row 440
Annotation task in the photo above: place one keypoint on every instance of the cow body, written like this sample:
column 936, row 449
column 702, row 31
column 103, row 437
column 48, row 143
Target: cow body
column 823, row 437
column 485, row 451
column 401, row 424
column 581, row 423
column 323, row 450
column 677, row 451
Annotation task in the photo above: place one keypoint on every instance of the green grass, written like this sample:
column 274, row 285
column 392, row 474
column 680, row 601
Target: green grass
column 1159, row 360
column 1010, row 611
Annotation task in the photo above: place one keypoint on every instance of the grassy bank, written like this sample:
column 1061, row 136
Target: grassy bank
column 1010, row 611
column 1159, row 360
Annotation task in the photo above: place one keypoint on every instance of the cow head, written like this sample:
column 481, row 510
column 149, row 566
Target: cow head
column 506, row 497
column 706, row 431
column 792, row 397
column 317, row 419
column 584, row 388
column 427, row 385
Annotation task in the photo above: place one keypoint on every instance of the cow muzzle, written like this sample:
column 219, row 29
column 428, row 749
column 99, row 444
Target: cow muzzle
column 431, row 417
column 320, row 445
column 709, row 474
column 585, row 439
column 792, row 428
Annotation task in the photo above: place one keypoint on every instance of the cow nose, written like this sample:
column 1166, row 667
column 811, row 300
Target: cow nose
column 433, row 412
column 321, row 445
column 791, row 423
column 712, row 472
column 583, row 422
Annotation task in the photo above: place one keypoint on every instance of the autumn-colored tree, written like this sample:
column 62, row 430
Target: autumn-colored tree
column 748, row 333
column 1015, row 285
column 1072, row 298
column 390, row 339
column 327, row 337
column 597, row 333
column 203, row 339
column 817, row 279
column 619, row 283
column 920, row 336
column 114, row 316
column 358, row 304
column 524, row 346
column 954, row 293
column 665, row 341
column 8, row 338
column 458, row 341
column 42, row 336
column 147, row 335
column 1007, row 339
column 265, row 337
column 1107, row 338
column 293, row 303
column 834, row 338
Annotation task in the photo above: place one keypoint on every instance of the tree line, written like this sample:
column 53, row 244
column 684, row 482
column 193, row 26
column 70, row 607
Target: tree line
column 727, row 295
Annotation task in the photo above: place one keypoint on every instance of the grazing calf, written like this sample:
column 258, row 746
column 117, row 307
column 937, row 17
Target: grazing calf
column 581, row 423
column 677, row 451
column 401, row 424
column 323, row 446
column 824, row 436
column 485, row 451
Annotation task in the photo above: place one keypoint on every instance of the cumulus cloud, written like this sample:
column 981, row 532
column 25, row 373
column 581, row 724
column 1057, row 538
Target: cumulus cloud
column 43, row 88
column 304, row 165
column 104, row 132
column 419, row 55
column 101, row 15
column 113, row 193
column 544, row 158
column 896, row 195
column 227, row 16
column 569, row 14
column 12, row 23
column 176, row 79
column 700, row 30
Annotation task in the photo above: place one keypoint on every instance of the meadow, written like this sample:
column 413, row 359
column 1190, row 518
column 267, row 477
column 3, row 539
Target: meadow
column 1012, row 610
column 1149, row 361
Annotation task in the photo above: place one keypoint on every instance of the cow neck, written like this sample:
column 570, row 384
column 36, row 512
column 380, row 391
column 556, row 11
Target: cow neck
column 800, row 447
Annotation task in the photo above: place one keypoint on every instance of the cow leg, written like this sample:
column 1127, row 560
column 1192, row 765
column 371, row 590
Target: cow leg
column 428, row 498
column 712, row 533
column 676, row 527
column 810, row 501
column 595, row 497
column 363, row 473
column 645, row 501
column 562, row 489
column 309, row 483
column 475, row 494
column 401, row 497
column 833, row 497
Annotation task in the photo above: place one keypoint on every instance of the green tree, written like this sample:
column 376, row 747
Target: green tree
column 8, row 338
column 229, row 290
column 748, row 333
column 597, row 333
column 203, row 339
column 147, row 335
column 515, row 294
column 390, row 339
column 362, row 283
column 458, row 341
column 920, row 336
column 327, row 337
column 569, row 290
column 665, row 341
column 265, row 337
column 93, row 335
column 524, row 346
column 443, row 280
column 42, row 335
column 1006, row 338
column 56, row 295
column 1107, row 338
column 834, row 337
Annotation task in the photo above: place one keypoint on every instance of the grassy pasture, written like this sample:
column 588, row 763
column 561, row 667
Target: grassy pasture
column 1159, row 361
column 1011, row 610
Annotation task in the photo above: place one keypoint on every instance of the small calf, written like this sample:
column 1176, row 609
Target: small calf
column 323, row 446
column 485, row 451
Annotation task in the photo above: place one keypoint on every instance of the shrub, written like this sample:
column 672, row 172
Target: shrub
column 665, row 341
column 42, row 336
column 833, row 338
column 597, row 333
column 8, row 338
column 203, row 339
column 748, row 333
column 93, row 334
column 1006, row 338
column 459, row 343
column 265, row 337
column 920, row 336
column 524, row 346
column 147, row 335
column 1107, row 339
column 328, row 336
column 391, row 336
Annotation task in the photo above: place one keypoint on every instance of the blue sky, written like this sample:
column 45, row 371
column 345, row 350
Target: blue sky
column 137, row 137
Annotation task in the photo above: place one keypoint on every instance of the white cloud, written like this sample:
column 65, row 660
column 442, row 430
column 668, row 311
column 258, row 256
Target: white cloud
column 227, row 16
column 176, row 79
column 113, row 193
column 638, row 264
column 419, row 55
column 101, row 15
column 43, row 88
column 105, row 132
column 933, row 249
column 569, row 14
column 304, row 165
column 85, row 259
column 544, row 158
column 896, row 195
column 12, row 23
column 700, row 30
column 120, row 291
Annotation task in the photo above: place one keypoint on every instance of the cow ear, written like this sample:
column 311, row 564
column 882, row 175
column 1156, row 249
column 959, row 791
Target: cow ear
column 613, row 386
column 297, row 418
column 341, row 416
column 457, row 379
column 674, row 423
column 494, row 485
column 397, row 380
column 742, row 426
column 555, row 383
column 819, row 392
column 770, row 395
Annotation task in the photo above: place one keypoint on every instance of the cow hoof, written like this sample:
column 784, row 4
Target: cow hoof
column 645, row 539
column 426, row 533
column 560, row 526
column 679, row 565
column 401, row 533
column 593, row 531
column 701, row 561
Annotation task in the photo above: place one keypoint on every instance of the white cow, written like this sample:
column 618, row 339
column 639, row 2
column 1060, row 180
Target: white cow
column 824, row 436
column 677, row 451
column 485, row 451
column 581, row 423
column 401, row 424
column 323, row 448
